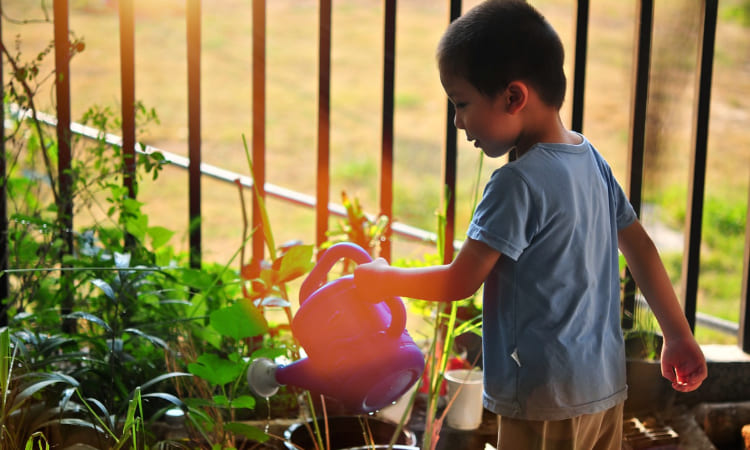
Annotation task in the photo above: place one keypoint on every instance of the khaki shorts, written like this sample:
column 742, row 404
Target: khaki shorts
column 600, row 431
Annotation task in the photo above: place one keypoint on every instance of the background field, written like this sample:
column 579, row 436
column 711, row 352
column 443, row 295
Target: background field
column 419, row 122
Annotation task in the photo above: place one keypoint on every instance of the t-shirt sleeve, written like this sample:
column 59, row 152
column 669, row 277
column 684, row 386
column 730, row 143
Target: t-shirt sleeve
column 624, row 212
column 504, row 217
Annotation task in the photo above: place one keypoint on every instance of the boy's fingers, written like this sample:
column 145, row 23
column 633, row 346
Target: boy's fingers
column 689, row 381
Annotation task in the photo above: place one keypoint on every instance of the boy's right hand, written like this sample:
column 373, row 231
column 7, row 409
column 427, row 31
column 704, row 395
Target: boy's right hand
column 370, row 280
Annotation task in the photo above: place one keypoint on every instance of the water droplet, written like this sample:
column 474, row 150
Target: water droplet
column 268, row 418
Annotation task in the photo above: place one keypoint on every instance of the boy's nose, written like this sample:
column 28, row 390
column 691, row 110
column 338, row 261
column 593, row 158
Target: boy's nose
column 458, row 122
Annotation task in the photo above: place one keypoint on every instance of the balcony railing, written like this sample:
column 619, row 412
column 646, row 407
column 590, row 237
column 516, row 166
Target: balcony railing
column 321, row 201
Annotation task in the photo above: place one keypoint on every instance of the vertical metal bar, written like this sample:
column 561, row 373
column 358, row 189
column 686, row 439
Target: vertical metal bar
column 744, row 333
column 450, row 163
column 694, row 216
column 127, row 88
column 642, row 58
column 4, row 241
column 642, row 69
column 65, row 180
column 194, row 128
column 579, row 71
column 259, row 123
column 386, row 164
column 324, row 127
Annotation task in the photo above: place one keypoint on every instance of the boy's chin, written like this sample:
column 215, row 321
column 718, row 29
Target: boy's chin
column 496, row 152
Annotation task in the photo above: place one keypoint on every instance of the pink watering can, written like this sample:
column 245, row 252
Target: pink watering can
column 358, row 350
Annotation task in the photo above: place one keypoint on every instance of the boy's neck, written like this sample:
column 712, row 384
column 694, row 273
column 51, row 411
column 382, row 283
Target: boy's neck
column 543, row 125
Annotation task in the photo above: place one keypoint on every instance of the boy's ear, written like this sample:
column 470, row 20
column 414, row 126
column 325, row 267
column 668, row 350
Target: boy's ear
column 516, row 96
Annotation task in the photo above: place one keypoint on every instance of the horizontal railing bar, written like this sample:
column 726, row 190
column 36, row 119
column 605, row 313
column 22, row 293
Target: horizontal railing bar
column 705, row 320
column 717, row 323
column 294, row 197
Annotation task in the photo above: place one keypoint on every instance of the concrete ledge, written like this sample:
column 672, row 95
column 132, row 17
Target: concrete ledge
column 724, row 353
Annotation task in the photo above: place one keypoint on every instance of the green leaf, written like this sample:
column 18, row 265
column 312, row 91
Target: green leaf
column 215, row 370
column 241, row 320
column 249, row 431
column 296, row 262
column 33, row 389
column 162, row 377
column 270, row 353
column 137, row 226
column 244, row 401
column 159, row 236
column 196, row 278
column 168, row 397
column 267, row 232
column 105, row 287
column 221, row 400
column 152, row 339
column 89, row 317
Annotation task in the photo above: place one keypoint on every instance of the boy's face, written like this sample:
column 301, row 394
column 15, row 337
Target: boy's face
column 486, row 120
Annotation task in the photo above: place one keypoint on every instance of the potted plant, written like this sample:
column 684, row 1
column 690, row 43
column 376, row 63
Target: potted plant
column 643, row 342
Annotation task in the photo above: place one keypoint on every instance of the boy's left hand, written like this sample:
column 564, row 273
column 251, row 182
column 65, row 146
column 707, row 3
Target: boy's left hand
column 683, row 363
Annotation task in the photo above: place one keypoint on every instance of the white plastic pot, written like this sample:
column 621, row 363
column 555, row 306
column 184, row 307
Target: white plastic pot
column 465, row 413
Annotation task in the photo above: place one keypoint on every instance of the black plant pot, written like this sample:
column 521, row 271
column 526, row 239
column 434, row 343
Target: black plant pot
column 349, row 432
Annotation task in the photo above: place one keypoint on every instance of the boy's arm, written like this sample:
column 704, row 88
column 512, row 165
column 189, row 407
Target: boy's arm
column 682, row 361
column 455, row 281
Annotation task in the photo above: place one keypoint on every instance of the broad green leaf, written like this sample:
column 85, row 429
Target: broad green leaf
column 197, row 279
column 215, row 370
column 270, row 353
column 244, row 401
column 137, row 226
column 296, row 262
column 241, row 320
column 221, row 400
column 159, row 236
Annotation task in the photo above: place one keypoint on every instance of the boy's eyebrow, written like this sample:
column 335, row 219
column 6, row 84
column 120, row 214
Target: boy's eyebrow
column 451, row 94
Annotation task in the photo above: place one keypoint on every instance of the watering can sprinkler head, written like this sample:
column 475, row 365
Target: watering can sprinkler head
column 358, row 352
column 261, row 377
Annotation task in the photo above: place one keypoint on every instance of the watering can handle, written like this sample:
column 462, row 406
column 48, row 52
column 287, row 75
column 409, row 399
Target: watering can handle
column 317, row 278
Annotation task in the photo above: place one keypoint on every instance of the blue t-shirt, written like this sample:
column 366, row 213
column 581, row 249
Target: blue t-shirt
column 552, row 339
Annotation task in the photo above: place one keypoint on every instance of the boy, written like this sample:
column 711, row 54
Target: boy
column 544, row 241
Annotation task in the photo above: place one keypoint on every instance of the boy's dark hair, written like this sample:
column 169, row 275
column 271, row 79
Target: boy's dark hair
column 500, row 41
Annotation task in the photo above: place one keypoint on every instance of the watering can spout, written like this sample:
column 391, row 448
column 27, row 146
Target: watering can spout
column 265, row 377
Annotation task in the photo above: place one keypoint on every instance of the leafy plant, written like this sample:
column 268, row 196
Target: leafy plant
column 22, row 414
column 218, row 396
column 446, row 326
column 358, row 228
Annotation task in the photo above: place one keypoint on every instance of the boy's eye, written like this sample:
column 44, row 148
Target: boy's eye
column 459, row 105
